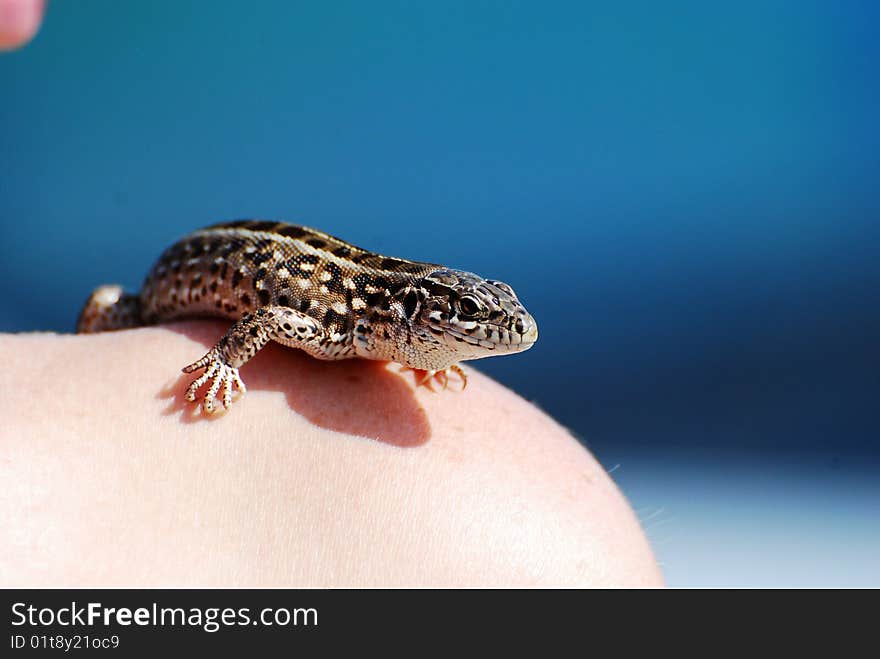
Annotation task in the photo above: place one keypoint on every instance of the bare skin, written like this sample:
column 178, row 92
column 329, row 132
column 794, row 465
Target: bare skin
column 19, row 21
column 326, row 474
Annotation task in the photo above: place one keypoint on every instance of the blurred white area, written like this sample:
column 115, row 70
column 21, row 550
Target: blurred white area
column 759, row 521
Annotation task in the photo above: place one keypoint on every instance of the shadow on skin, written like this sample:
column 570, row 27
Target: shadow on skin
column 352, row 396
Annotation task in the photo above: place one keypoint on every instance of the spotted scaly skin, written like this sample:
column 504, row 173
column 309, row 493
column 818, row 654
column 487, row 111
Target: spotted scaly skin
column 308, row 290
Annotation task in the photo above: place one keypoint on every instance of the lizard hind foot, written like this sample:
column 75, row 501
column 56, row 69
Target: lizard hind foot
column 109, row 308
column 221, row 375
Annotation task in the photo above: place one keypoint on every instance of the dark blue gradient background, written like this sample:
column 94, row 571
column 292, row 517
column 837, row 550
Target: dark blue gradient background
column 684, row 194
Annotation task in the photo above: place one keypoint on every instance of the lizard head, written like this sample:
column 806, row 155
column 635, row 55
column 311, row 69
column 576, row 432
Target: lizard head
column 471, row 317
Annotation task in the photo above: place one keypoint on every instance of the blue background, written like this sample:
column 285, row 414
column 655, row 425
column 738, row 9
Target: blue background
column 685, row 195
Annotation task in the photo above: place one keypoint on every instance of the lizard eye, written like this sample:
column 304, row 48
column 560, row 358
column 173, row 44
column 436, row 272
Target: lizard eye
column 469, row 306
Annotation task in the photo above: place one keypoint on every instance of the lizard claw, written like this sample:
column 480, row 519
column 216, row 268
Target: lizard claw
column 459, row 371
column 220, row 375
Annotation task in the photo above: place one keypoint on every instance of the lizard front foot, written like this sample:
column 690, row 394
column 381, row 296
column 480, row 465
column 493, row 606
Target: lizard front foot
column 220, row 374
column 424, row 377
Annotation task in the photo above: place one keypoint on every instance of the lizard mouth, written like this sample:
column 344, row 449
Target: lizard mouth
column 526, row 340
column 468, row 338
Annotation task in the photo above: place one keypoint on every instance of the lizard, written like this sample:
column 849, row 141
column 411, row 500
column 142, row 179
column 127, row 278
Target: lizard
column 306, row 289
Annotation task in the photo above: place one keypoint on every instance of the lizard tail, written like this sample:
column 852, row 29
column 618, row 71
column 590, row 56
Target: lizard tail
column 109, row 308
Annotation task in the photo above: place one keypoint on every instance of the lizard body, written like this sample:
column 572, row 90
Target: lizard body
column 306, row 289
